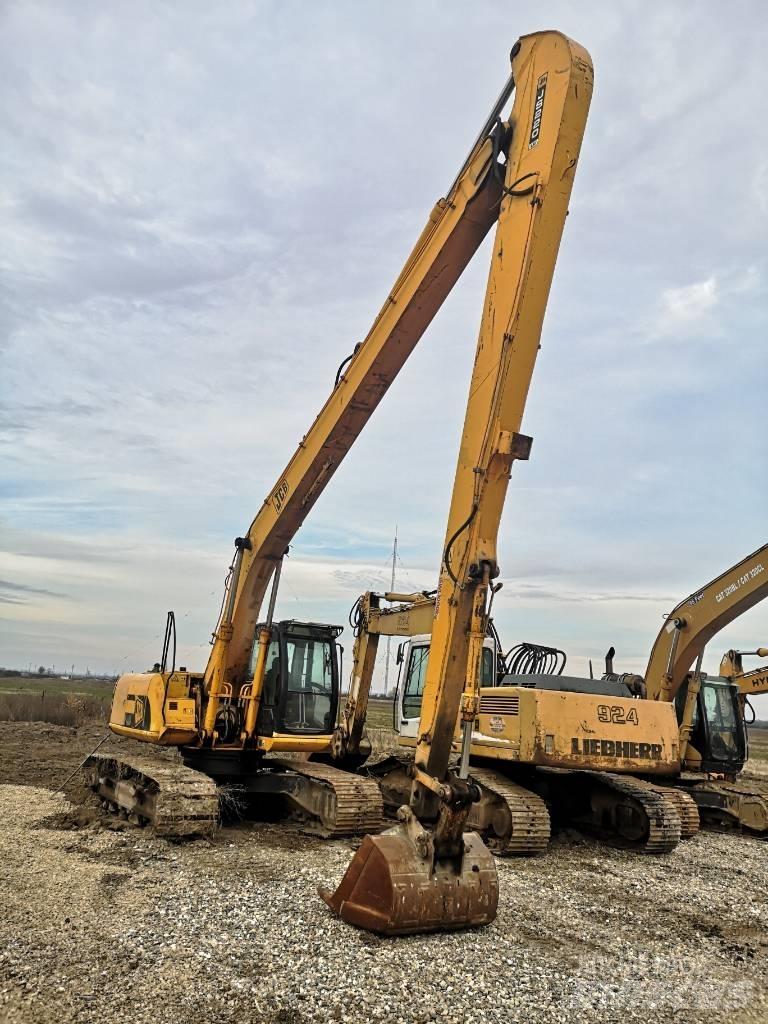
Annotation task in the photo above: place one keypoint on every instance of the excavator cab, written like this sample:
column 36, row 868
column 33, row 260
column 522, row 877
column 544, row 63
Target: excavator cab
column 300, row 695
column 718, row 732
column 412, row 656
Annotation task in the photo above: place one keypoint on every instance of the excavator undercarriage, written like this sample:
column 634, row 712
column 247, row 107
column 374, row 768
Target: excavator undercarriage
column 740, row 805
column 517, row 810
column 176, row 801
column 179, row 801
column 618, row 809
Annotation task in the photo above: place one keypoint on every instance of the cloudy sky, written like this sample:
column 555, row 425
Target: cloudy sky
column 203, row 207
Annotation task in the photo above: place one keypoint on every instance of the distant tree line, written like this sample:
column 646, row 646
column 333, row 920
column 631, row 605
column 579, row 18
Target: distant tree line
column 48, row 673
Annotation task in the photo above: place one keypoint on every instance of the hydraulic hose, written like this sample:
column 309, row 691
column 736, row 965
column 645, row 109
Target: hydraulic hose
column 534, row 659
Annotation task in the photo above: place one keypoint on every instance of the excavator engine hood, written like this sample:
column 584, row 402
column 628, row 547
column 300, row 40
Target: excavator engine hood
column 394, row 886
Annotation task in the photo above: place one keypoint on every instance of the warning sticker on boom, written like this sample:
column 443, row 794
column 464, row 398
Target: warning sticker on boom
column 538, row 110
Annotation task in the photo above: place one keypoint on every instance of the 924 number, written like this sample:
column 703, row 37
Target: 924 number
column 616, row 715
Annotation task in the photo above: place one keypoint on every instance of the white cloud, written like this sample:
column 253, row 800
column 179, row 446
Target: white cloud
column 694, row 306
column 204, row 207
column 690, row 302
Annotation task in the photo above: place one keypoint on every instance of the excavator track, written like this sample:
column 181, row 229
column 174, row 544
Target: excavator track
column 510, row 818
column 179, row 801
column 173, row 799
column 739, row 805
column 660, row 830
column 633, row 813
column 334, row 803
column 683, row 803
column 690, row 820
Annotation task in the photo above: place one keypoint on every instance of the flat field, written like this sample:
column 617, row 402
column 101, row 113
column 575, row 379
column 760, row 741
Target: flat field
column 54, row 685
column 758, row 745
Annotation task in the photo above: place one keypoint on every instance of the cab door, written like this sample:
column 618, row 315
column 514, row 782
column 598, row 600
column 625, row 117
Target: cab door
column 411, row 686
column 413, row 674
column 722, row 732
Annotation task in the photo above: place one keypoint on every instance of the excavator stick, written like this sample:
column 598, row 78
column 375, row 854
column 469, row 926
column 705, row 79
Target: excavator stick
column 417, row 879
column 396, row 886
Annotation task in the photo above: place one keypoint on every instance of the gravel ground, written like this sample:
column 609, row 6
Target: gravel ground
column 115, row 925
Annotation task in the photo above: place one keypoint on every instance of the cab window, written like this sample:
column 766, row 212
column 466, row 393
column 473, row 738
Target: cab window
column 486, row 667
column 414, row 682
column 309, row 690
column 719, row 705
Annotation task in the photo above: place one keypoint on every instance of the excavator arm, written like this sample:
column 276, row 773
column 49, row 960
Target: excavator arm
column 553, row 79
column 752, row 682
column 404, row 882
column 411, row 615
column 456, row 227
column 691, row 625
column 554, row 85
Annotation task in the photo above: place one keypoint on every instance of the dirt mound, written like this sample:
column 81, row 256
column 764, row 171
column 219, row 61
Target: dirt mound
column 41, row 754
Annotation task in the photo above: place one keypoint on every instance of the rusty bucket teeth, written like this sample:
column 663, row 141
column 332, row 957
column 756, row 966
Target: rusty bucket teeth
column 392, row 888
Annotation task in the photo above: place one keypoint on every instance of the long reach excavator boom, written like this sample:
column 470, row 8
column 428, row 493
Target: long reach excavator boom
column 686, row 631
column 456, row 227
column 401, row 881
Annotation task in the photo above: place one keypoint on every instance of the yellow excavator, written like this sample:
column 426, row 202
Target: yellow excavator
column 273, row 687
column 698, row 718
column 542, row 742
column 711, row 709
column 744, row 802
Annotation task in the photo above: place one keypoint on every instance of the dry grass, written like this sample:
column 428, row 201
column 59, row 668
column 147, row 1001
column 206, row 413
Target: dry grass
column 71, row 709
column 379, row 715
column 758, row 744
column 383, row 741
column 89, row 686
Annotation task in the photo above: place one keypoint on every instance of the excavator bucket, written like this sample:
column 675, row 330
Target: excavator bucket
column 395, row 887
